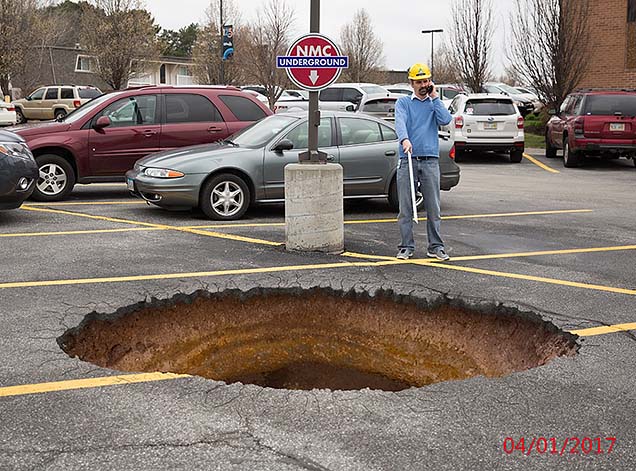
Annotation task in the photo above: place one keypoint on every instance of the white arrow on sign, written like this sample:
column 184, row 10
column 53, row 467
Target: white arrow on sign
column 313, row 76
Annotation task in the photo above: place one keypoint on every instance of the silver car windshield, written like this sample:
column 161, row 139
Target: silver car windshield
column 89, row 106
column 261, row 132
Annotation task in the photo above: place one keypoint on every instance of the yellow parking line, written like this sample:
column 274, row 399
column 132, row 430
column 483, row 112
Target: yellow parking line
column 172, row 276
column 84, row 383
column 606, row 329
column 90, row 231
column 87, row 203
column 540, row 164
column 155, row 226
column 540, row 279
column 501, row 255
column 33, row 207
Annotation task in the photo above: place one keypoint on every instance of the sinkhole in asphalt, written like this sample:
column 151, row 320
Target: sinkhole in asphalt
column 318, row 338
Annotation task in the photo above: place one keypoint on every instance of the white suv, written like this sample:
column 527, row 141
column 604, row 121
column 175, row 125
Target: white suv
column 486, row 122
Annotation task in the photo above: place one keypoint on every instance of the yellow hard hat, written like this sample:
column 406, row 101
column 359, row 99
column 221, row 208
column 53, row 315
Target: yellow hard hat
column 419, row 71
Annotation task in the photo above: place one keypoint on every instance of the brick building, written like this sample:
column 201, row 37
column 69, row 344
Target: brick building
column 612, row 61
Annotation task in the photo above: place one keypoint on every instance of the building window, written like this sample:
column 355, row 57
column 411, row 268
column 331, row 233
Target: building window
column 162, row 73
column 631, row 34
column 83, row 64
column 184, row 76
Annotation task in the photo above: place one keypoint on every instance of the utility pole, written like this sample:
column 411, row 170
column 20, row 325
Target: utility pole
column 222, row 68
column 432, row 31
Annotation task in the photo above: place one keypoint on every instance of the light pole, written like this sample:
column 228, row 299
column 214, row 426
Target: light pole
column 432, row 31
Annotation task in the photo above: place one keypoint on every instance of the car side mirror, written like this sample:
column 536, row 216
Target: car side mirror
column 102, row 122
column 350, row 108
column 285, row 144
column 29, row 98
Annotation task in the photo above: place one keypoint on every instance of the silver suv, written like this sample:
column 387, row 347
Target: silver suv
column 486, row 122
column 53, row 102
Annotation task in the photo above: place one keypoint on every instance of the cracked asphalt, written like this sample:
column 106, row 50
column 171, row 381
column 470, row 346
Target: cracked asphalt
column 518, row 236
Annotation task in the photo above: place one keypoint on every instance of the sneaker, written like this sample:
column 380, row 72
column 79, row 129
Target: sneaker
column 440, row 254
column 404, row 254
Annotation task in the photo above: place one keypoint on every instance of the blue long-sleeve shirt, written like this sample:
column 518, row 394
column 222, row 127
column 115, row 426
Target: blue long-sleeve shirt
column 417, row 120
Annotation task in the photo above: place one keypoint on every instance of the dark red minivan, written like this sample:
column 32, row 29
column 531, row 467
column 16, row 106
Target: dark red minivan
column 101, row 140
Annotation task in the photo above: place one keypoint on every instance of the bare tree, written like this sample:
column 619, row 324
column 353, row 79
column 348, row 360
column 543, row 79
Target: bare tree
column 471, row 39
column 446, row 66
column 267, row 38
column 120, row 35
column 207, row 50
column 550, row 46
column 27, row 29
column 364, row 48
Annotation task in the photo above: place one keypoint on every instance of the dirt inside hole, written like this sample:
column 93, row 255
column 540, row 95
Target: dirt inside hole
column 317, row 339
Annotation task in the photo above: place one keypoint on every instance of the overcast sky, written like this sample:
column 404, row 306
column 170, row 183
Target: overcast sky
column 398, row 23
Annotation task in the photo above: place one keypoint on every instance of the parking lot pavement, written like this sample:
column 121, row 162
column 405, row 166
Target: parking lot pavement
column 561, row 245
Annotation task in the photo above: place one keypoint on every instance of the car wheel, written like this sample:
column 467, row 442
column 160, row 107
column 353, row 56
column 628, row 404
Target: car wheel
column 550, row 150
column 19, row 116
column 56, row 179
column 570, row 157
column 516, row 155
column 59, row 115
column 225, row 197
column 394, row 201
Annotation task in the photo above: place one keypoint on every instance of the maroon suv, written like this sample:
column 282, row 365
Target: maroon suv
column 101, row 140
column 594, row 123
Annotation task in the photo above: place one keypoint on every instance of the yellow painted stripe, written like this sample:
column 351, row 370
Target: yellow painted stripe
column 478, row 216
column 155, row 226
column 501, row 255
column 171, row 276
column 606, row 329
column 544, row 252
column 87, row 203
column 540, row 164
column 90, row 231
column 541, row 279
column 39, row 388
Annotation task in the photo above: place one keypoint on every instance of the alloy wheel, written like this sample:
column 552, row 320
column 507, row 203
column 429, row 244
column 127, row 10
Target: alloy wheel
column 227, row 198
column 52, row 179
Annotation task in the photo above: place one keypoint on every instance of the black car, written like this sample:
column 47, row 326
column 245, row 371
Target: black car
column 18, row 171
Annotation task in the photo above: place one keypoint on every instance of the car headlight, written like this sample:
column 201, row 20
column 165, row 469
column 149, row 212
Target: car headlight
column 15, row 149
column 162, row 173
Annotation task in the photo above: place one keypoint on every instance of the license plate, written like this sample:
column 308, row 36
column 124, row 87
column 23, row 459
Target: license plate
column 617, row 126
column 490, row 125
column 130, row 184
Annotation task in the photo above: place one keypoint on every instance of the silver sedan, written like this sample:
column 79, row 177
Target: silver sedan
column 225, row 178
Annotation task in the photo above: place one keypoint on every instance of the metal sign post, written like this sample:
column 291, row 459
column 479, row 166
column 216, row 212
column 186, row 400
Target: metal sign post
column 313, row 62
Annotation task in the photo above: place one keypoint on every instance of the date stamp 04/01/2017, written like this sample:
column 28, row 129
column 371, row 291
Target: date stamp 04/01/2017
column 555, row 446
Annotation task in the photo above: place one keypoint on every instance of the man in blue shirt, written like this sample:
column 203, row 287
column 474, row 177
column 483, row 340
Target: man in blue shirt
column 417, row 118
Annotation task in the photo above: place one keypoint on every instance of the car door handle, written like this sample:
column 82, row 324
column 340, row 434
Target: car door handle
column 149, row 133
column 389, row 152
column 213, row 129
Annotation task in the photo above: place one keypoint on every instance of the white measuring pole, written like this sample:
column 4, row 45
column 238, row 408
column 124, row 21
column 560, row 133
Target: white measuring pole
column 408, row 154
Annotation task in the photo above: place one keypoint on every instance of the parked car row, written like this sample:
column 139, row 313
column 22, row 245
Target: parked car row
column 224, row 179
column 101, row 140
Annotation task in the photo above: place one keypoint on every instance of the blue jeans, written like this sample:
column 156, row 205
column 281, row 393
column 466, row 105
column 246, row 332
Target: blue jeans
column 426, row 172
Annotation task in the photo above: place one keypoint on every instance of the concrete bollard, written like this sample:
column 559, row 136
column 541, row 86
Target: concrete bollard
column 314, row 216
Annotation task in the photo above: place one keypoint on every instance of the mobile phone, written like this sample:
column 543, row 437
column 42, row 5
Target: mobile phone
column 429, row 89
